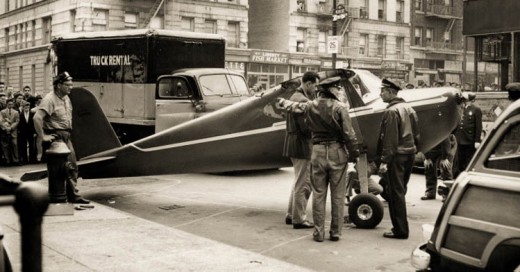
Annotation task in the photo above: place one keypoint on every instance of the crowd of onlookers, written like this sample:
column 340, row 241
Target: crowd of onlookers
column 18, row 141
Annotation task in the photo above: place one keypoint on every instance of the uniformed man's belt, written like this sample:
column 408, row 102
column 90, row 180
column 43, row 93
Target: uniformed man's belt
column 327, row 142
column 59, row 129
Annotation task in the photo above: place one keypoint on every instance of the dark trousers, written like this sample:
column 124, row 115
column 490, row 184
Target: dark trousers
column 397, row 177
column 430, row 173
column 465, row 154
column 26, row 140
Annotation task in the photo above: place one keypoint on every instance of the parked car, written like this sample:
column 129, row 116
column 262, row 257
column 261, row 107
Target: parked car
column 478, row 226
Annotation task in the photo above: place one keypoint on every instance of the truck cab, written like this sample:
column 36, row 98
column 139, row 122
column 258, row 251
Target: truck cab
column 187, row 94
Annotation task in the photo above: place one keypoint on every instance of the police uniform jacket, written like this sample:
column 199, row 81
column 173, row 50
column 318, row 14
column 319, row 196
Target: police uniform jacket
column 297, row 138
column 470, row 127
column 399, row 131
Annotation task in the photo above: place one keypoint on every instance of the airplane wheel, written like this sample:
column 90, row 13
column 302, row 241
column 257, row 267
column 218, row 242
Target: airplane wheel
column 366, row 211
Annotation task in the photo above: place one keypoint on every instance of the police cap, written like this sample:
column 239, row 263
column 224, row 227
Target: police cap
column 389, row 84
column 469, row 96
column 62, row 78
column 513, row 89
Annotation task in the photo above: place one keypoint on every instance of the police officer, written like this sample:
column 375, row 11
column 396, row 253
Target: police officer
column 468, row 132
column 53, row 121
column 396, row 148
column 334, row 142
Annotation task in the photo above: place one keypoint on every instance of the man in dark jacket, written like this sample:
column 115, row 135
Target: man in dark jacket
column 297, row 146
column 396, row 149
column 334, row 143
column 26, row 135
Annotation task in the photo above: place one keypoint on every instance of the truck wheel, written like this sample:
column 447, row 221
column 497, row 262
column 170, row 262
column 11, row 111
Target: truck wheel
column 365, row 211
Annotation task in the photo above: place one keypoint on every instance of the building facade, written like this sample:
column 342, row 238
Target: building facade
column 28, row 26
column 371, row 34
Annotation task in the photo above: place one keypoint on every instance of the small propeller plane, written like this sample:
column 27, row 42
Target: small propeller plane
column 248, row 135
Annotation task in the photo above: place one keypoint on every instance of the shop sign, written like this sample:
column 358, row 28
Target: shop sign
column 269, row 57
column 235, row 65
column 393, row 65
column 311, row 62
column 332, row 44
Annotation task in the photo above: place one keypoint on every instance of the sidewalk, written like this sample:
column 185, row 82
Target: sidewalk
column 105, row 239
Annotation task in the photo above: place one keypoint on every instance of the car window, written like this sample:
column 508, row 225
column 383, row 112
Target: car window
column 506, row 155
column 175, row 88
column 240, row 84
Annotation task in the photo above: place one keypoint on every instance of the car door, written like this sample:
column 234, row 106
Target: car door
column 176, row 102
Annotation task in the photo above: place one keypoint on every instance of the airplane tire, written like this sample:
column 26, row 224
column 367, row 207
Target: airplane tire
column 365, row 211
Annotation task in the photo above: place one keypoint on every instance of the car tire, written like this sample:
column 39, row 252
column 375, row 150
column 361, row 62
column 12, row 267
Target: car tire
column 365, row 211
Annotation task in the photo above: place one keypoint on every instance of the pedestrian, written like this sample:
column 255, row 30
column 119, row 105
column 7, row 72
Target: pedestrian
column 3, row 101
column 396, row 148
column 297, row 147
column 9, row 134
column 334, row 143
column 26, row 133
column 53, row 121
column 468, row 132
column 354, row 183
column 437, row 160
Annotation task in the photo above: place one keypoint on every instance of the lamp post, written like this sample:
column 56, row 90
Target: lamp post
column 334, row 31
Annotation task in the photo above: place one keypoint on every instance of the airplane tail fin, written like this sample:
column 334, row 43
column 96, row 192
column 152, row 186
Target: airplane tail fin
column 91, row 133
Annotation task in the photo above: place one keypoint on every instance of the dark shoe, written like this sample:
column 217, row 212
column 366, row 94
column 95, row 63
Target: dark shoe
column 288, row 220
column 427, row 197
column 390, row 234
column 318, row 238
column 334, row 237
column 81, row 201
column 304, row 225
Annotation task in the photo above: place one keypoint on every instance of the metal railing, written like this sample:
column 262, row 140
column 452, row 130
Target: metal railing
column 443, row 10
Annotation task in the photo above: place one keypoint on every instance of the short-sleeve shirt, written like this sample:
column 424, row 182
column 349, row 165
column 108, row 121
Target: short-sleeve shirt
column 59, row 112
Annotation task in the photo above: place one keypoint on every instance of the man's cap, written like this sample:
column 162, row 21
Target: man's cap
column 513, row 89
column 469, row 96
column 389, row 84
column 62, row 78
column 329, row 82
column 410, row 86
column 25, row 103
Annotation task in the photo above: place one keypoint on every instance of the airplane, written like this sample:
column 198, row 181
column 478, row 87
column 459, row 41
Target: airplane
column 248, row 135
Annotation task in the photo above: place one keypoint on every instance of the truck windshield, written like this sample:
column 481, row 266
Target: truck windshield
column 239, row 84
column 215, row 85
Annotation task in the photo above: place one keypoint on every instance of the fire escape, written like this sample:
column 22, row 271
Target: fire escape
column 451, row 15
column 152, row 13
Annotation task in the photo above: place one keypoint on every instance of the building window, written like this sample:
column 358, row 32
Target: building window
column 157, row 22
column 301, row 34
column 418, row 5
column 99, row 20
column 363, row 9
column 399, row 47
column 381, row 10
column 210, row 26
column 381, row 45
column 322, row 42
column 399, row 13
column 188, row 24
column 33, row 32
column 363, row 45
column 418, row 36
column 6, row 35
column 73, row 20
column 131, row 20
column 233, row 34
column 300, row 5
column 429, row 37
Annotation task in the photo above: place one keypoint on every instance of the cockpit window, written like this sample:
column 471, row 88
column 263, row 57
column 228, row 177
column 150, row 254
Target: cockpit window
column 174, row 88
column 506, row 155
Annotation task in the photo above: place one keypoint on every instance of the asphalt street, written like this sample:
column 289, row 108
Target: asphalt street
column 246, row 210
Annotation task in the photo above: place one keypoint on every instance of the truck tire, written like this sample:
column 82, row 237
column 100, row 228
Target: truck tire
column 365, row 211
